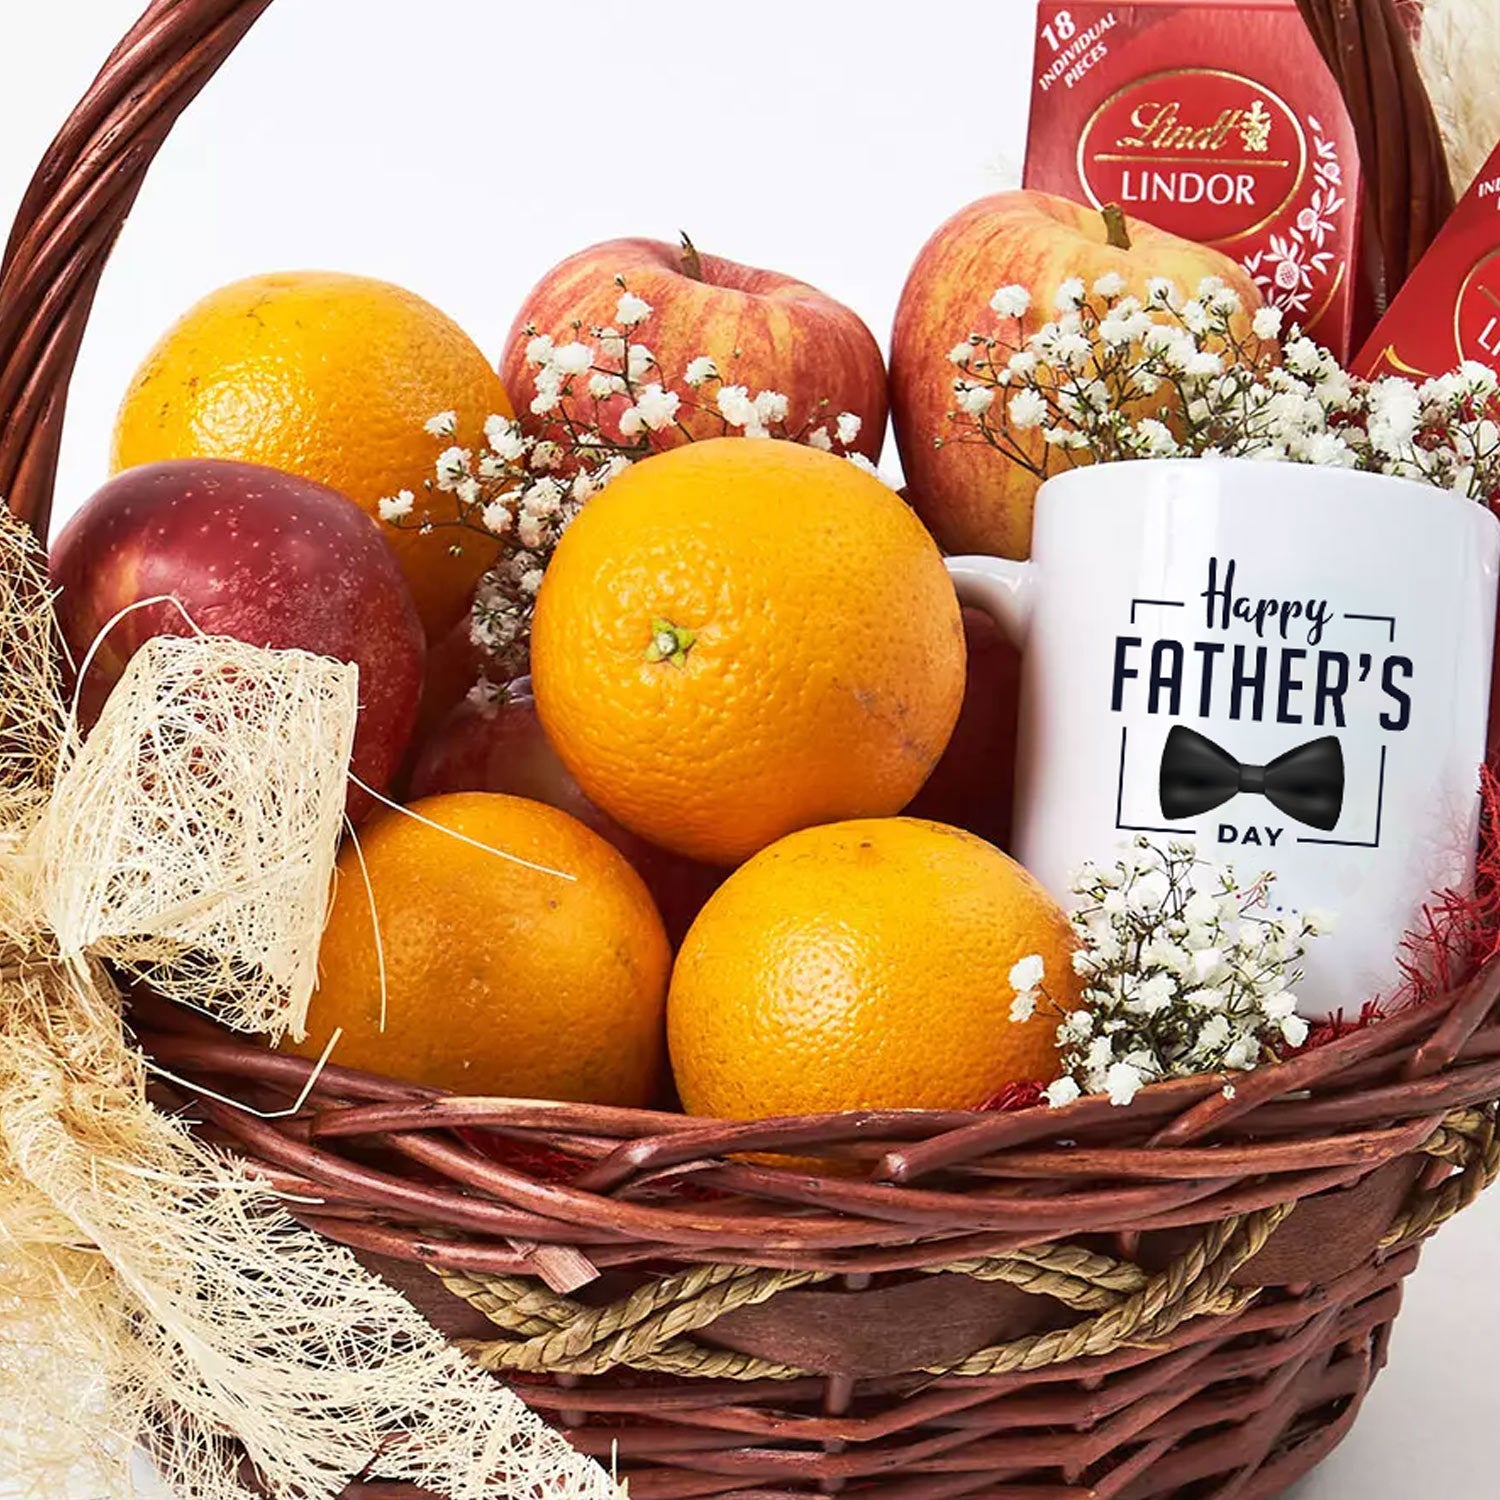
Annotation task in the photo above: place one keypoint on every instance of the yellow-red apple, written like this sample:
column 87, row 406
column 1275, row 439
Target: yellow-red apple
column 972, row 497
column 762, row 330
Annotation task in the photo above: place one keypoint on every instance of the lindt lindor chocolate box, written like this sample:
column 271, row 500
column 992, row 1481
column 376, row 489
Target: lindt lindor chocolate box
column 1449, row 308
column 1219, row 121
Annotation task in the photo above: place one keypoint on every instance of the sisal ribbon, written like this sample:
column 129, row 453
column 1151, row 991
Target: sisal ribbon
column 149, row 1287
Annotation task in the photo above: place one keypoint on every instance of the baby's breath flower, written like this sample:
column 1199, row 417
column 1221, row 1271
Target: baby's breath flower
column 700, row 370
column 543, row 497
column 443, row 425
column 1195, row 317
column 1070, row 295
column 1109, row 285
column 1027, row 973
column 657, row 406
column 497, row 517
column 770, row 407
column 818, row 438
column 864, row 465
column 539, row 349
column 631, row 310
column 1302, row 356
column 452, row 465
column 973, row 399
column 1266, row 324
column 1122, row 1083
column 573, row 358
column 847, row 427
column 1155, row 437
column 1064, row 1092
column 638, row 361
column 1073, row 350
column 504, row 438
column 548, row 392
column 1011, row 301
column 398, row 506
column 1181, row 973
column 735, row 405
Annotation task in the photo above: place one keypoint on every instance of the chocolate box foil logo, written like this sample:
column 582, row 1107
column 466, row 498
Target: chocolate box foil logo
column 1476, row 314
column 1206, row 154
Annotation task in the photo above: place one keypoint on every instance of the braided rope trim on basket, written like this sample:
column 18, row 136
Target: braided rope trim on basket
column 649, row 1329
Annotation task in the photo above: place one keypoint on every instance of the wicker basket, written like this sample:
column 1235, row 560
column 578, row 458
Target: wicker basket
column 1186, row 1299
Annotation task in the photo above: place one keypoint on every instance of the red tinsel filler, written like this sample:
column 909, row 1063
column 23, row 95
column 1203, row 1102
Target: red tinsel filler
column 1015, row 1096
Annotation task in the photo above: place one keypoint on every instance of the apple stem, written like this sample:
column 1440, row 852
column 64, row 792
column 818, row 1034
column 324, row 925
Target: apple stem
column 692, row 262
column 1115, row 232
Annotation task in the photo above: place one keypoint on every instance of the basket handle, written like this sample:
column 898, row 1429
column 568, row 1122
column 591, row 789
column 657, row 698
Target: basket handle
column 87, row 182
column 73, row 210
column 1409, row 193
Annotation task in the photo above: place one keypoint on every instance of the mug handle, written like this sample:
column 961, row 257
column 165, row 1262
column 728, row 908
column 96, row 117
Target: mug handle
column 1003, row 588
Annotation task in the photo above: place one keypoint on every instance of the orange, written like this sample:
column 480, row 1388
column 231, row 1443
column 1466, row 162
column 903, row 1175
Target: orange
column 331, row 377
column 499, row 979
column 738, row 638
column 866, row 965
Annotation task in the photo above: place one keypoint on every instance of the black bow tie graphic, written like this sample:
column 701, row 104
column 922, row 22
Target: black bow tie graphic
column 1306, row 783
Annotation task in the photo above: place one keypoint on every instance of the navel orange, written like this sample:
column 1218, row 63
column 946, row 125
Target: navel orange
column 331, row 377
column 740, row 638
column 866, row 965
column 499, row 979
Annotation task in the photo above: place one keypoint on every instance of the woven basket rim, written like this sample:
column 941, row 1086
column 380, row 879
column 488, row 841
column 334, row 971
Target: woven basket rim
column 1166, row 1378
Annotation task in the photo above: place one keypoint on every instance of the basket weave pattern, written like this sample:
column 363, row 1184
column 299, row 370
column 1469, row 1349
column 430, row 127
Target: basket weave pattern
column 1188, row 1299
column 1192, row 1297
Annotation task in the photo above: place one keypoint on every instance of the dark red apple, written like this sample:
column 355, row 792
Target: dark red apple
column 252, row 553
column 454, row 665
column 972, row 785
column 505, row 749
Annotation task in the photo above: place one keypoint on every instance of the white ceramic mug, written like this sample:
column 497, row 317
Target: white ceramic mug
column 1289, row 665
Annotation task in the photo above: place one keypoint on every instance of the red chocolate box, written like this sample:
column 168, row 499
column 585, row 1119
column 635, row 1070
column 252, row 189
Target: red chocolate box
column 1449, row 308
column 1217, row 120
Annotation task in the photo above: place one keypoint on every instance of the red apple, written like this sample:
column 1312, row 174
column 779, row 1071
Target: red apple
column 972, row 497
column 252, row 553
column 972, row 785
column 763, row 330
column 505, row 749
column 454, row 665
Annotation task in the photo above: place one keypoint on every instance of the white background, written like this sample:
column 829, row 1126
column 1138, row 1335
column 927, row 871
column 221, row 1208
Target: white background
column 462, row 146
